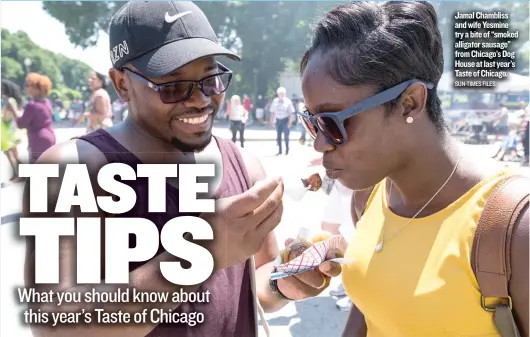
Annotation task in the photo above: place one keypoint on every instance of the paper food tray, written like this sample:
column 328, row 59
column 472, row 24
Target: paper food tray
column 309, row 259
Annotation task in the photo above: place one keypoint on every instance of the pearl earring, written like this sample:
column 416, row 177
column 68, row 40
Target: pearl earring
column 409, row 120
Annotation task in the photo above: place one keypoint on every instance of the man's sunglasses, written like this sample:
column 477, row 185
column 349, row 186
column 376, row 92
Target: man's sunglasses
column 179, row 91
column 331, row 124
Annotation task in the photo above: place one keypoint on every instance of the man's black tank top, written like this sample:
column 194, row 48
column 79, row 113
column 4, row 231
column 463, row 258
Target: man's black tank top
column 230, row 311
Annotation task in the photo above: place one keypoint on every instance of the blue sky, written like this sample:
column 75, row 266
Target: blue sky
column 49, row 33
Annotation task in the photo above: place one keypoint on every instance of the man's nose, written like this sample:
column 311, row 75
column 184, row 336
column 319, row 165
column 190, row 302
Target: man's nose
column 198, row 99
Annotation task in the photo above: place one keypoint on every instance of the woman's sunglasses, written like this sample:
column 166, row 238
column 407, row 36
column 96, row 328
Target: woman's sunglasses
column 179, row 91
column 331, row 124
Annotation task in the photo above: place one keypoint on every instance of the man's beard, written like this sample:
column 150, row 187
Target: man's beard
column 186, row 147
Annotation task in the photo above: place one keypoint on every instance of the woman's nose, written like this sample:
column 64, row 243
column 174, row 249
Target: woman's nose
column 322, row 145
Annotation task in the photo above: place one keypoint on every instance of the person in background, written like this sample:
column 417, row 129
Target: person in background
column 249, row 106
column 296, row 105
column 238, row 118
column 37, row 116
column 267, row 112
column 260, row 109
column 228, row 107
column 510, row 145
column 99, row 112
column 117, row 108
column 419, row 192
column 301, row 127
column 12, row 101
column 78, row 108
column 282, row 111
column 500, row 123
column 525, row 138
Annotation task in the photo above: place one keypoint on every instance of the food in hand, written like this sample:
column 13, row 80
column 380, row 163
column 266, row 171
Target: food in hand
column 295, row 249
column 314, row 182
column 321, row 236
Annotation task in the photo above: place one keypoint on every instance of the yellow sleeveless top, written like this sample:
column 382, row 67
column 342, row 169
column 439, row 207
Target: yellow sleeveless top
column 421, row 284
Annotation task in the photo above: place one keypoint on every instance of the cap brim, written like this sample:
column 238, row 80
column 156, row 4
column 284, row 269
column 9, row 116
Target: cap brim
column 172, row 56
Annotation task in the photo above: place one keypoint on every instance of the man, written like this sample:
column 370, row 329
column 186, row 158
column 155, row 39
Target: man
column 173, row 43
column 282, row 111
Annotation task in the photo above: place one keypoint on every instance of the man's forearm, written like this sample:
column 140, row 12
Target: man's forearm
column 144, row 279
column 270, row 301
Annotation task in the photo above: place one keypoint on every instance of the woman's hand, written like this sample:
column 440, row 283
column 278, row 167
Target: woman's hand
column 311, row 283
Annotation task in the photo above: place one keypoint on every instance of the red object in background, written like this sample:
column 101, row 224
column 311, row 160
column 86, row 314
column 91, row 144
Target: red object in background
column 247, row 103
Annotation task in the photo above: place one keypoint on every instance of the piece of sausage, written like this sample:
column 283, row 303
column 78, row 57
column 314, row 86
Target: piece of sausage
column 294, row 250
column 314, row 181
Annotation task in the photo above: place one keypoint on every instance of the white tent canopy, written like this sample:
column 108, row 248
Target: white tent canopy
column 513, row 83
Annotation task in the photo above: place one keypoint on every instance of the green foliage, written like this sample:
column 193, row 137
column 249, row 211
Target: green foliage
column 518, row 19
column 265, row 34
column 67, row 75
column 66, row 95
column 270, row 36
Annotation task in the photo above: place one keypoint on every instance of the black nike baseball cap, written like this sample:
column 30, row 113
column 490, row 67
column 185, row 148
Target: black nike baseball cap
column 158, row 38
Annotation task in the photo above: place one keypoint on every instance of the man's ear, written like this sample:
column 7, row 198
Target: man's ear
column 120, row 83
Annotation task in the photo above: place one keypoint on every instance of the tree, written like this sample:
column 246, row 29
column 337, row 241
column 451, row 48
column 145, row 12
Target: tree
column 266, row 34
column 518, row 20
column 67, row 75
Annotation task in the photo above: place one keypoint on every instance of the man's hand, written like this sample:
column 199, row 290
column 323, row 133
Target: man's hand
column 312, row 282
column 242, row 222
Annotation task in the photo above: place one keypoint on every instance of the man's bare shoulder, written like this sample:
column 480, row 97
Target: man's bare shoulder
column 254, row 166
column 74, row 151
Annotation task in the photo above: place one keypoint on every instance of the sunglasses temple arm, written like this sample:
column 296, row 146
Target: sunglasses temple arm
column 380, row 98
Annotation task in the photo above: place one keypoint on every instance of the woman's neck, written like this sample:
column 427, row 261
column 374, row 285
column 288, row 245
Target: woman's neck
column 432, row 162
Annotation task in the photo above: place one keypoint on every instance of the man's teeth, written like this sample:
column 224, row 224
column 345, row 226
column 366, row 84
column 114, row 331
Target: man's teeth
column 194, row 120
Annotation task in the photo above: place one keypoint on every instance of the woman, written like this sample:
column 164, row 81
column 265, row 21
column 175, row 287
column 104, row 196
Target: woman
column 412, row 274
column 238, row 117
column 37, row 116
column 11, row 101
column 99, row 113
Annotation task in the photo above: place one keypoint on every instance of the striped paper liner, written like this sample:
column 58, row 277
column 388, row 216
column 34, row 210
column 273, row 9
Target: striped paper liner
column 311, row 258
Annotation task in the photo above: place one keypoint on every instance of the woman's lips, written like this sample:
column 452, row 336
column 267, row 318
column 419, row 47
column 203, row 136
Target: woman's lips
column 332, row 173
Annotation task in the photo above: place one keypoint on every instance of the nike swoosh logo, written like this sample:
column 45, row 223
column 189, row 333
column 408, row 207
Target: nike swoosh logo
column 173, row 18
